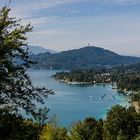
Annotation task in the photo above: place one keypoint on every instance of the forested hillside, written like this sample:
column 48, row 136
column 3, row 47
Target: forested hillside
column 87, row 57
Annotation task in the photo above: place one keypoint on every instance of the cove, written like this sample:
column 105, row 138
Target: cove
column 72, row 103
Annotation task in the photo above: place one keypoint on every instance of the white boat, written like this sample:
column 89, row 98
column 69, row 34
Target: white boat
column 91, row 96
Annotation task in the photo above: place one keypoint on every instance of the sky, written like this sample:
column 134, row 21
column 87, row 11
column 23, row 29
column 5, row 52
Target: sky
column 69, row 24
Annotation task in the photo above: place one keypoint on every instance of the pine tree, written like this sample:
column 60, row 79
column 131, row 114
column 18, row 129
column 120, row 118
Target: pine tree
column 16, row 88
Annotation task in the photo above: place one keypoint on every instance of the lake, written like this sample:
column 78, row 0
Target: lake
column 75, row 102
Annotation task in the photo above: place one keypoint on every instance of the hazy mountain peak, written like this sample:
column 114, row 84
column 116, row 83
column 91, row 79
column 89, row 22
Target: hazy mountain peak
column 37, row 50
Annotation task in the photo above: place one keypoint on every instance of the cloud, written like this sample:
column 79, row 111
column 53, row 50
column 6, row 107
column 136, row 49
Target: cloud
column 51, row 4
column 50, row 32
column 122, row 1
column 70, row 31
column 76, row 11
column 32, row 8
column 38, row 22
column 28, row 8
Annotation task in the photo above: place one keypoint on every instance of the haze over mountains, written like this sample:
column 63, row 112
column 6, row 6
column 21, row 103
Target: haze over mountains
column 37, row 50
column 87, row 57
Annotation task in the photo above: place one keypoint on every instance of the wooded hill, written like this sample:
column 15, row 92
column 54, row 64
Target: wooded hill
column 87, row 57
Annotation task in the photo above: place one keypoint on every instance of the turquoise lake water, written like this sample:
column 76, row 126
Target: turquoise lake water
column 72, row 102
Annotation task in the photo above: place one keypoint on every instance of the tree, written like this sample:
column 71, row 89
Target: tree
column 41, row 116
column 89, row 129
column 52, row 131
column 120, row 123
column 16, row 88
column 15, row 127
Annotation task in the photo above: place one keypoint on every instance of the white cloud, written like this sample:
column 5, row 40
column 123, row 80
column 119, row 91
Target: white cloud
column 122, row 1
column 76, row 11
column 28, row 8
column 49, row 33
column 38, row 22
column 115, row 32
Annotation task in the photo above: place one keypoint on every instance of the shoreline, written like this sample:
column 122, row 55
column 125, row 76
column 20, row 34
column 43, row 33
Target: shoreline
column 82, row 83
column 75, row 82
column 124, row 91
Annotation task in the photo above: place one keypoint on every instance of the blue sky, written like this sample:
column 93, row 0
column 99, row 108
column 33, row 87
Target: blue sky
column 69, row 24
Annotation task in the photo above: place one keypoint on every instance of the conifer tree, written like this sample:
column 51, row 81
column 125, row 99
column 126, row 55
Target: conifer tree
column 16, row 88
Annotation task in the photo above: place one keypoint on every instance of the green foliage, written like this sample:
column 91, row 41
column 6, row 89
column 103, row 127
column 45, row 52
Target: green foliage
column 53, row 132
column 14, row 127
column 121, row 136
column 136, row 97
column 137, row 138
column 89, row 129
column 41, row 115
column 16, row 89
column 125, row 78
column 120, row 122
column 129, row 82
column 90, row 76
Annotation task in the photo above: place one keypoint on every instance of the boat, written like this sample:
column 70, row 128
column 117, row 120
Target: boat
column 91, row 96
column 129, row 93
column 102, row 97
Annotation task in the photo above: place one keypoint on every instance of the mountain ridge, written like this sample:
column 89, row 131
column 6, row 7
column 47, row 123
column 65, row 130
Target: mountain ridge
column 86, row 57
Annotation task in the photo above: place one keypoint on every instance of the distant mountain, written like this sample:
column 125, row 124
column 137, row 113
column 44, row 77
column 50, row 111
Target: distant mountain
column 87, row 57
column 37, row 49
